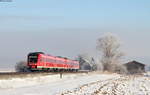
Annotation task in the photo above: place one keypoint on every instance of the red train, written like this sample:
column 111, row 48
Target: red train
column 40, row 61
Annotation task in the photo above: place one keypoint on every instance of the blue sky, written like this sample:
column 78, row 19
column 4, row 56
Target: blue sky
column 70, row 27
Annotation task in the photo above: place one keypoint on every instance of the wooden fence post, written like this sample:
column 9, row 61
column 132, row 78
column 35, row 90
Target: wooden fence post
column 61, row 75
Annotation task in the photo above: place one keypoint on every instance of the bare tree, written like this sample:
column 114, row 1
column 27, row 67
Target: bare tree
column 99, row 65
column 21, row 67
column 109, row 46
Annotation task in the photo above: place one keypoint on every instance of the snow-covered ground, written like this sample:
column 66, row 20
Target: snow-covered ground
column 77, row 84
column 123, row 85
column 6, row 70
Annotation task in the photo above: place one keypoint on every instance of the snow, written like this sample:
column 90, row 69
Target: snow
column 78, row 84
column 6, row 70
column 30, row 81
column 122, row 85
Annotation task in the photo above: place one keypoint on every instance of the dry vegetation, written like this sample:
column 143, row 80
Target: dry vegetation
column 21, row 67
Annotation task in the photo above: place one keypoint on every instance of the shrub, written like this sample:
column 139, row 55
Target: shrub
column 21, row 67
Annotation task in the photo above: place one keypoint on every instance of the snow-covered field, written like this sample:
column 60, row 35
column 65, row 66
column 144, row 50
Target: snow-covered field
column 6, row 70
column 122, row 85
column 78, row 84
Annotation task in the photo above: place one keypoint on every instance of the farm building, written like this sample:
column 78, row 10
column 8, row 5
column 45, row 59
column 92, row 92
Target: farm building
column 135, row 67
column 87, row 64
column 84, row 65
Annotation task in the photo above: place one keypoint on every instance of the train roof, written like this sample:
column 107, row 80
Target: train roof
column 34, row 53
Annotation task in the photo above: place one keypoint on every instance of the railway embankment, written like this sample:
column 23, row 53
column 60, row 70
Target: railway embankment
column 11, row 75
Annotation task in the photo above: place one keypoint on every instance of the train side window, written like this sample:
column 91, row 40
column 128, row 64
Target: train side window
column 62, row 62
column 40, row 59
column 51, row 60
column 47, row 60
column 44, row 59
column 58, row 61
column 54, row 60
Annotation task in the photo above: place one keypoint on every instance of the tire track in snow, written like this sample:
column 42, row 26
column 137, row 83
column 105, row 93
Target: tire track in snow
column 84, row 89
column 123, row 85
column 111, row 88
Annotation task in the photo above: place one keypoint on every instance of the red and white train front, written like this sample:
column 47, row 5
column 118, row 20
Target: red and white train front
column 41, row 61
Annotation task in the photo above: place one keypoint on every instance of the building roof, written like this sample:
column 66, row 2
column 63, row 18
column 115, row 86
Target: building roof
column 134, row 62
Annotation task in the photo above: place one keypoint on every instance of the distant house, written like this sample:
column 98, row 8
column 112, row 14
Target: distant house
column 84, row 65
column 87, row 64
column 135, row 67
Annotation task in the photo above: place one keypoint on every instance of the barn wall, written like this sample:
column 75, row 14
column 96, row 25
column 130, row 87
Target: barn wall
column 134, row 67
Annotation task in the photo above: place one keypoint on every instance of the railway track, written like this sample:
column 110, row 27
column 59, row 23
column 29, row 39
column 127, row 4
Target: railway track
column 7, row 75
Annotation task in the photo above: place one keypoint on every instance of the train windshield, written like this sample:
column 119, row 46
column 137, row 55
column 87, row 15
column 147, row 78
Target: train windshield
column 33, row 59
